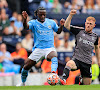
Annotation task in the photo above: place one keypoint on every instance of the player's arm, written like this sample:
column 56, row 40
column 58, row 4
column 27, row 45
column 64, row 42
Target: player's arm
column 69, row 18
column 97, row 52
column 60, row 29
column 25, row 15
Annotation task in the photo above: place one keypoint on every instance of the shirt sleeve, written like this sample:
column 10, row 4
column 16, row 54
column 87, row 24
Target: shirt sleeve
column 55, row 26
column 96, row 42
column 30, row 23
column 75, row 29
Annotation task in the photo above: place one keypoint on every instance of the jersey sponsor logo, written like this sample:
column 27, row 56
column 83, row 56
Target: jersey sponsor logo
column 86, row 42
column 41, row 32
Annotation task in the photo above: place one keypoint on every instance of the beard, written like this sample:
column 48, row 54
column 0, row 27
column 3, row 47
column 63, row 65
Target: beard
column 88, row 30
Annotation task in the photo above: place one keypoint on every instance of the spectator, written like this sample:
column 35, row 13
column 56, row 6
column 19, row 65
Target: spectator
column 66, row 38
column 6, row 60
column 80, row 3
column 4, row 22
column 65, row 7
column 89, row 7
column 4, row 5
column 11, row 30
column 51, row 1
column 19, row 23
column 65, row 48
column 1, row 68
column 97, row 6
column 67, row 59
column 74, row 5
column 20, row 55
column 57, row 42
column 27, row 42
column 15, row 15
column 1, row 39
column 46, row 4
column 57, row 7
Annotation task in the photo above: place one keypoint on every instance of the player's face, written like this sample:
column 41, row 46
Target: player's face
column 41, row 15
column 89, row 25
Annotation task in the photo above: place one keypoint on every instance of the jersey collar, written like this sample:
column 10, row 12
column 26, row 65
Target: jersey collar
column 40, row 22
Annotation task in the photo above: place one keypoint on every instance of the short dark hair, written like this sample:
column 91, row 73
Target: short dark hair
column 36, row 11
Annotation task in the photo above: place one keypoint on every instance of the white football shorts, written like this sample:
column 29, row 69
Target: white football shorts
column 38, row 54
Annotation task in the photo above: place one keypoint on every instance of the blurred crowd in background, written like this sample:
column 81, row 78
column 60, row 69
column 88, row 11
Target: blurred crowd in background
column 16, row 43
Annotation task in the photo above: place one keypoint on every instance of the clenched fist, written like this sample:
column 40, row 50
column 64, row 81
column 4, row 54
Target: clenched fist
column 24, row 14
column 73, row 12
column 62, row 21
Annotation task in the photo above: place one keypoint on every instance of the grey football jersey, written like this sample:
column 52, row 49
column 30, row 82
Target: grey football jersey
column 84, row 44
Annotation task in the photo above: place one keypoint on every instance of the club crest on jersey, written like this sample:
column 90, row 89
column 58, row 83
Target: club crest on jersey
column 49, row 26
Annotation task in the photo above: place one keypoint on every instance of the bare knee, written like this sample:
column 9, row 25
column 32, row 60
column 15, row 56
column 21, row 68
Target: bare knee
column 86, row 81
column 71, row 64
column 51, row 55
column 28, row 64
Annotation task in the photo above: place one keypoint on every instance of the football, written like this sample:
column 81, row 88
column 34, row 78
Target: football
column 53, row 79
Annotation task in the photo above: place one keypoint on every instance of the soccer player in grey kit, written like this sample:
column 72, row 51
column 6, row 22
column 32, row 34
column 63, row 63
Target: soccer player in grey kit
column 86, row 40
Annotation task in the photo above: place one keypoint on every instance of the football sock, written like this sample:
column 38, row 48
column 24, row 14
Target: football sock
column 24, row 74
column 66, row 72
column 54, row 64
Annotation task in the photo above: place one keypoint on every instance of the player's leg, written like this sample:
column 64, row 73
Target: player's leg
column 72, row 64
column 69, row 65
column 52, row 56
column 24, row 73
column 86, row 80
column 28, row 65
column 34, row 57
column 86, row 73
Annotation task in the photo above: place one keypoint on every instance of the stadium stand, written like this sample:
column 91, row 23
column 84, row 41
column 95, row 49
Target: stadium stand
column 10, row 9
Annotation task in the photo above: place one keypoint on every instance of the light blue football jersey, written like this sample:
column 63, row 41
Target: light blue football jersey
column 43, row 33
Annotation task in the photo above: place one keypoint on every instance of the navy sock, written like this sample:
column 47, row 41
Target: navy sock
column 66, row 72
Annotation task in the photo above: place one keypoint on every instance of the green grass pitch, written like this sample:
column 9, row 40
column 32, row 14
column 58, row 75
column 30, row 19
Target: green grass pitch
column 58, row 87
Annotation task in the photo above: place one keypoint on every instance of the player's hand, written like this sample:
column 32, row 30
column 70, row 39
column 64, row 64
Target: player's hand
column 24, row 14
column 62, row 21
column 73, row 12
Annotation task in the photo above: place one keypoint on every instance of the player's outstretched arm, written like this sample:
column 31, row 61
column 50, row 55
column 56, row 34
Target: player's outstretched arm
column 25, row 15
column 97, row 51
column 68, row 20
column 60, row 29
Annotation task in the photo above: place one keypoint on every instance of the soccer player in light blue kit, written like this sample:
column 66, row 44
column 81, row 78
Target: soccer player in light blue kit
column 43, row 48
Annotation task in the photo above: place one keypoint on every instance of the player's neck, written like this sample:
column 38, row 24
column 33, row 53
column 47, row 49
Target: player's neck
column 41, row 21
column 89, row 31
